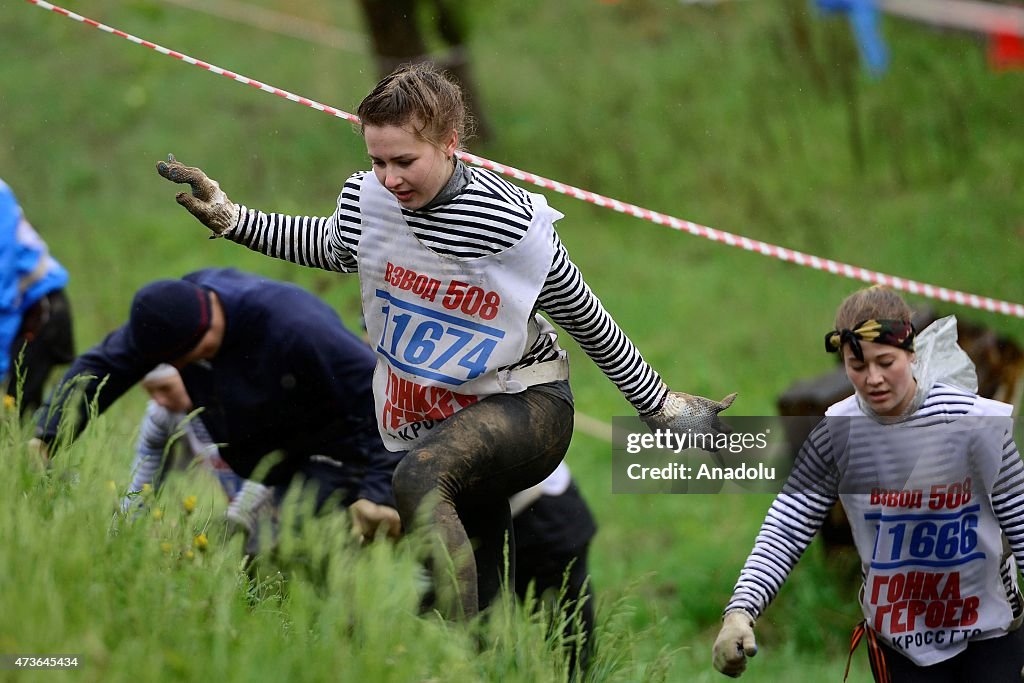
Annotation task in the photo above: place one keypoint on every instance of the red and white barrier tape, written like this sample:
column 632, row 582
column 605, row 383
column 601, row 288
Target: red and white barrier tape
column 197, row 62
column 857, row 273
column 983, row 17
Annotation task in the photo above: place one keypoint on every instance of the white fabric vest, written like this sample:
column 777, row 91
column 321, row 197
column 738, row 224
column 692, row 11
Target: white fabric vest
column 445, row 329
column 927, row 536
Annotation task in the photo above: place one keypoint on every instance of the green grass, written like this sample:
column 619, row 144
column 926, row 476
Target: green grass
column 750, row 117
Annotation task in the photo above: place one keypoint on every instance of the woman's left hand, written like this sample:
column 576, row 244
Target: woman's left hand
column 735, row 643
column 683, row 413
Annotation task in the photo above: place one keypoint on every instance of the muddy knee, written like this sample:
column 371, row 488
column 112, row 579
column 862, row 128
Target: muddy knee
column 413, row 480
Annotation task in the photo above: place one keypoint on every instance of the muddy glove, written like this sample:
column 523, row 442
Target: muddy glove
column 207, row 202
column 368, row 518
column 735, row 643
column 684, row 413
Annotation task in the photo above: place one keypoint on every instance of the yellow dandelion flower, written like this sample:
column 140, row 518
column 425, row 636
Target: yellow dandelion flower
column 189, row 555
column 189, row 503
column 166, row 547
column 201, row 542
column 158, row 514
column 9, row 402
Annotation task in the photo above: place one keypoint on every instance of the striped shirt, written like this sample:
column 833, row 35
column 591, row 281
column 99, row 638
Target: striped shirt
column 487, row 217
column 812, row 489
column 159, row 430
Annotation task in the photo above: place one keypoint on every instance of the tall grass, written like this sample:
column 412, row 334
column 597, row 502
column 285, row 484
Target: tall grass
column 162, row 594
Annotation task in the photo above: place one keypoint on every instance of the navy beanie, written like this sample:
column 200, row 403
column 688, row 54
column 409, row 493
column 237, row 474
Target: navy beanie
column 168, row 318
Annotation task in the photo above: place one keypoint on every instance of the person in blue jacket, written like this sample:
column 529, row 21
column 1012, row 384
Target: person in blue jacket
column 35, row 317
column 273, row 369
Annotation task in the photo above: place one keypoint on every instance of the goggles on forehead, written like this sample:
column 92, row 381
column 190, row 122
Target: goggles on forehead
column 898, row 333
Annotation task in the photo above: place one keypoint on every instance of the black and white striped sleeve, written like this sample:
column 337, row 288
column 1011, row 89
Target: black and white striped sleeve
column 158, row 427
column 570, row 303
column 1008, row 499
column 793, row 519
column 326, row 242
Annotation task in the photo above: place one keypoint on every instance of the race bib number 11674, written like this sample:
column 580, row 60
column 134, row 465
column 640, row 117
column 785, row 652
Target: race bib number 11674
column 434, row 344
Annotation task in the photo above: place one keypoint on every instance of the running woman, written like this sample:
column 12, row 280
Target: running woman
column 454, row 266
column 933, row 485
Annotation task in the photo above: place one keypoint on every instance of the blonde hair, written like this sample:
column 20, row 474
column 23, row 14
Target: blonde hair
column 872, row 303
column 422, row 95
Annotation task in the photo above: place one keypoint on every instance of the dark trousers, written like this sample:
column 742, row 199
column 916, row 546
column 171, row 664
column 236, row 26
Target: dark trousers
column 326, row 483
column 553, row 538
column 44, row 340
column 458, row 479
column 996, row 660
column 335, row 477
column 564, row 582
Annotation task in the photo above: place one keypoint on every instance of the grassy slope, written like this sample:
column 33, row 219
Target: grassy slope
column 738, row 118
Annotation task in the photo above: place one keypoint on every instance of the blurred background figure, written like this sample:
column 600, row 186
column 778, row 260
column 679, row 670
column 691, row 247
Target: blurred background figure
column 171, row 438
column 553, row 529
column 399, row 29
column 254, row 354
column 35, row 317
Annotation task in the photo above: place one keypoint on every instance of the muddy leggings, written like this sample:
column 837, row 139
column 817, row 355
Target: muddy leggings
column 459, row 478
